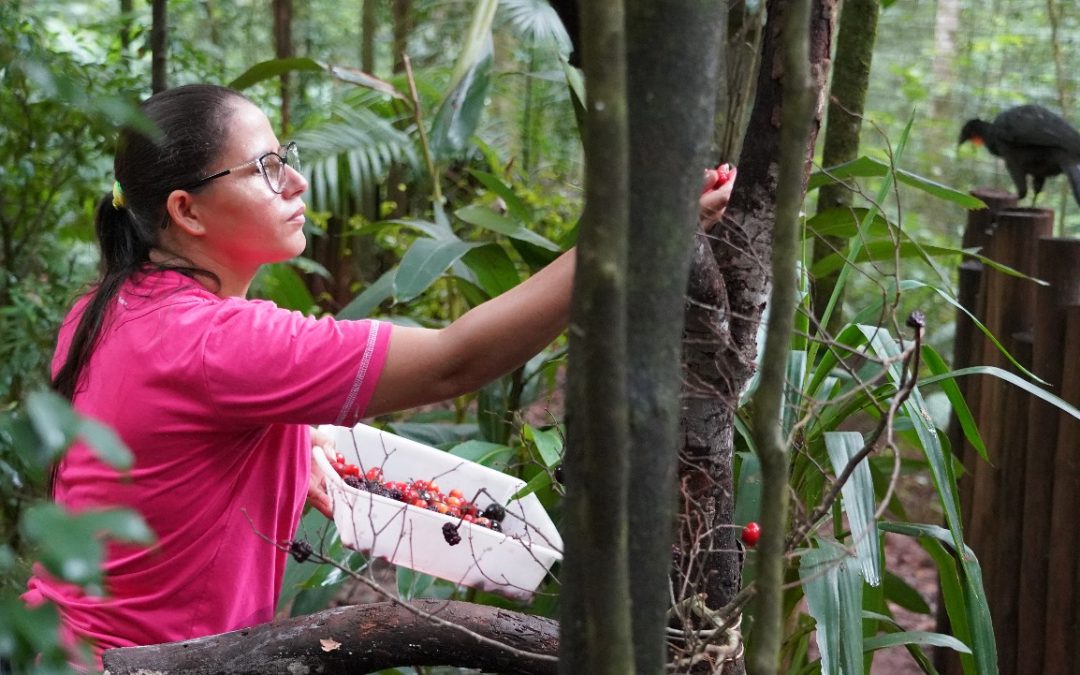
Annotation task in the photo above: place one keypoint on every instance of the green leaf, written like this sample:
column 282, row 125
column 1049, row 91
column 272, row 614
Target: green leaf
column 359, row 77
column 833, row 588
column 281, row 284
column 493, row 269
column 965, row 601
column 937, row 366
column 105, row 444
column 899, row 591
column 265, row 70
column 521, row 211
column 865, row 167
column 844, row 222
column 1033, row 389
column 374, row 295
column 425, row 262
column 914, row 638
column 492, row 455
column 548, row 442
column 484, row 217
column 70, row 545
column 458, row 116
column 538, row 482
column 858, row 501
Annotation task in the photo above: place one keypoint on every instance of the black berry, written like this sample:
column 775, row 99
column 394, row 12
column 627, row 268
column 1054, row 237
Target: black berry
column 300, row 550
column 494, row 513
column 450, row 534
column 353, row 481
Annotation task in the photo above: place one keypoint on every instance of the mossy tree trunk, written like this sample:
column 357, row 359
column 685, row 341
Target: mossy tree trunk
column 855, row 40
column 595, row 606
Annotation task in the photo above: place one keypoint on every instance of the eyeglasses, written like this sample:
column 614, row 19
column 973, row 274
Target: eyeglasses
column 271, row 166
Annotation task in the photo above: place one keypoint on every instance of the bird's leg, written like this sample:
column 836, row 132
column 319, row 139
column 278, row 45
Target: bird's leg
column 1036, row 185
column 1019, row 179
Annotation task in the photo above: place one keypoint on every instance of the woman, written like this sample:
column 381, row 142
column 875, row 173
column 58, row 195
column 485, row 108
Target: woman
column 215, row 393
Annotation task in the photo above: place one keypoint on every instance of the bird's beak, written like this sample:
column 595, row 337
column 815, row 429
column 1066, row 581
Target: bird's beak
column 976, row 140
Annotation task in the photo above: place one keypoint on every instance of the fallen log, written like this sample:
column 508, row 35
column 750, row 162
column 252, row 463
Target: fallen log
column 361, row 639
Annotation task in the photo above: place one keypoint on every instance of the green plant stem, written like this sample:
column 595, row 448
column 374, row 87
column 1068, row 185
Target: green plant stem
column 764, row 655
column 436, row 188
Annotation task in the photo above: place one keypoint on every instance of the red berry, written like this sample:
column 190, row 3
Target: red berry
column 751, row 533
column 374, row 474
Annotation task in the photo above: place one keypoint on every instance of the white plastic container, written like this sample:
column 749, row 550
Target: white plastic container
column 513, row 562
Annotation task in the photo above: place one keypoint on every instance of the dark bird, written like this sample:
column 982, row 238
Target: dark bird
column 1034, row 142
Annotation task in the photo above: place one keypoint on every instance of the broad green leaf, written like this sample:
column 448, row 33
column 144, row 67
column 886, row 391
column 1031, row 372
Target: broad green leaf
column 458, row 116
column 374, row 295
column 484, row 217
column 492, row 455
column 859, row 502
column 937, row 366
column 899, row 591
column 104, row 442
column 493, row 269
column 914, row 638
column 941, row 470
column 476, row 45
column 844, row 222
column 520, row 211
column 71, row 545
column 866, row 167
column 833, row 589
column 359, row 77
column 281, row 284
column 538, row 482
column 1033, row 389
column 548, row 442
column 437, row 434
column 425, row 262
column 265, row 70
column 435, row 230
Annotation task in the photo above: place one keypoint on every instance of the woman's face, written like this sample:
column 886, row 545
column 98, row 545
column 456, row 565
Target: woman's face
column 249, row 224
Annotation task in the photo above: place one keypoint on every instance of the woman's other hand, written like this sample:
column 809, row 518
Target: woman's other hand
column 715, row 195
column 317, row 495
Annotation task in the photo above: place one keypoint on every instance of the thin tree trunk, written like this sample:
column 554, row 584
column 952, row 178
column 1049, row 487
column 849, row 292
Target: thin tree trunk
column 402, row 28
column 800, row 99
column 367, row 36
column 728, row 292
column 595, row 605
column 671, row 119
column 126, row 9
column 283, row 47
column 847, row 99
column 159, row 46
column 739, row 64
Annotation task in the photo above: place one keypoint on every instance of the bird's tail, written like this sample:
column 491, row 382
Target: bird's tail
column 1073, row 172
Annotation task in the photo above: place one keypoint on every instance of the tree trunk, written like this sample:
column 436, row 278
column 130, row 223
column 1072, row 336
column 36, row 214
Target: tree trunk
column 728, row 292
column 739, row 68
column 126, row 9
column 367, row 36
column 159, row 47
column 402, row 28
column 847, row 99
column 283, row 47
column 595, row 605
column 671, row 120
column 359, row 639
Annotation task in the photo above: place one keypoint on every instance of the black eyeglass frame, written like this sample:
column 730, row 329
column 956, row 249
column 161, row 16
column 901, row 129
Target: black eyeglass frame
column 288, row 148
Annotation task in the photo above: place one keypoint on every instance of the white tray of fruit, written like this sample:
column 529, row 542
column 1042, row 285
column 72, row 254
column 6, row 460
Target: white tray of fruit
column 430, row 511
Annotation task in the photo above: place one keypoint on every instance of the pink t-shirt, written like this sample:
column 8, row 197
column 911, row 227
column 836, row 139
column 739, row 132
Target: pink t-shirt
column 214, row 398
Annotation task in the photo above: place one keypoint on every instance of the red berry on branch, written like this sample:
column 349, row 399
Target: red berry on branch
column 751, row 533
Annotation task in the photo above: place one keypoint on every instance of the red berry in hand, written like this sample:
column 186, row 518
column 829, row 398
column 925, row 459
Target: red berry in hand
column 751, row 533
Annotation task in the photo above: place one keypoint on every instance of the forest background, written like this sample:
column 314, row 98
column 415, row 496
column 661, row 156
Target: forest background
column 934, row 65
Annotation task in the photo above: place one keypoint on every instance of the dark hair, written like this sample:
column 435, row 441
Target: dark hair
column 192, row 127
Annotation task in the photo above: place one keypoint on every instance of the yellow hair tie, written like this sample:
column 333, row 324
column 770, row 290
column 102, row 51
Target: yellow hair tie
column 118, row 200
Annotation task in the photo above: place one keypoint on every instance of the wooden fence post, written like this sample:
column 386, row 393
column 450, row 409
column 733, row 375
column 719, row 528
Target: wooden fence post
column 997, row 509
column 1043, row 633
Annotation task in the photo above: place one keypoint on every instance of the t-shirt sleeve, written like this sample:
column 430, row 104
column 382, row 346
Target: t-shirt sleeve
column 264, row 365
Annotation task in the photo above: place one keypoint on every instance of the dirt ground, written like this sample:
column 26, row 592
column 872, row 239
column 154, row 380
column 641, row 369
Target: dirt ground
column 907, row 560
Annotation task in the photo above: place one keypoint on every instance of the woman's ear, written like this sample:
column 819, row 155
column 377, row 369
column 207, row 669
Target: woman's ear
column 180, row 206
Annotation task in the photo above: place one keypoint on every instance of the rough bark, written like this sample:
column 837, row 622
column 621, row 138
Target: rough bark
column 159, row 46
column 855, row 40
column 727, row 295
column 358, row 639
column 595, row 603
